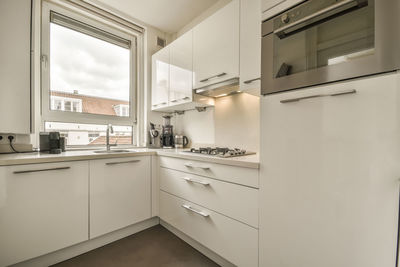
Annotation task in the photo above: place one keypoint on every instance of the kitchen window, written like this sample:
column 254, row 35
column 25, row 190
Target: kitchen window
column 89, row 73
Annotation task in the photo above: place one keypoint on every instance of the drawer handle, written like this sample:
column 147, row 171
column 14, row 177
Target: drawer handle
column 202, row 213
column 123, row 162
column 43, row 170
column 252, row 80
column 187, row 179
column 190, row 165
column 347, row 92
column 212, row 77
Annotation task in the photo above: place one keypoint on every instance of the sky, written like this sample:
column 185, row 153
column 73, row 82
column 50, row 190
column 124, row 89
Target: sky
column 87, row 64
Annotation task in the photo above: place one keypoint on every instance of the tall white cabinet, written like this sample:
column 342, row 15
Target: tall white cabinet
column 15, row 74
column 329, row 185
column 43, row 208
column 216, row 47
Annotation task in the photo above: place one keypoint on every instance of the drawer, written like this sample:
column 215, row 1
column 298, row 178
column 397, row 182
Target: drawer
column 234, row 174
column 232, row 240
column 235, row 201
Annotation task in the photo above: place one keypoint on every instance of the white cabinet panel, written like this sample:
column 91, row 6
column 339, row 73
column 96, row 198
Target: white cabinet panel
column 232, row 240
column 15, row 58
column 42, row 211
column 120, row 193
column 329, row 184
column 160, row 79
column 181, row 70
column 250, row 46
column 235, row 201
column 233, row 174
column 216, row 46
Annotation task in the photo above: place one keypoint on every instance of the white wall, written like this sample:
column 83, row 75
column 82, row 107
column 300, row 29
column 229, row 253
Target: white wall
column 233, row 122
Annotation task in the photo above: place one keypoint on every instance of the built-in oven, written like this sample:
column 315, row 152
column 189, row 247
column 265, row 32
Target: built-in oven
column 321, row 41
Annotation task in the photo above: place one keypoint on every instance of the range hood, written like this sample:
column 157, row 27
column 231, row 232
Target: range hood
column 224, row 88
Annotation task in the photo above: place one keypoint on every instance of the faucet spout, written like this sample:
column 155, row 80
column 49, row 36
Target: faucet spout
column 109, row 129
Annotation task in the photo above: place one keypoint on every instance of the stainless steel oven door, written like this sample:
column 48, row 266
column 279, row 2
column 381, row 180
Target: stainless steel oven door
column 323, row 41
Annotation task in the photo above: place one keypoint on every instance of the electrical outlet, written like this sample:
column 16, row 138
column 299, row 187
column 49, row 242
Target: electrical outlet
column 4, row 138
column 14, row 137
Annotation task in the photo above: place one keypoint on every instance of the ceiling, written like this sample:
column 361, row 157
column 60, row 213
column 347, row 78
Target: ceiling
column 167, row 15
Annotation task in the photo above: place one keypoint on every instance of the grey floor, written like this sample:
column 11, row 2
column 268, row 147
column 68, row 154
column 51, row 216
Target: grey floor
column 155, row 246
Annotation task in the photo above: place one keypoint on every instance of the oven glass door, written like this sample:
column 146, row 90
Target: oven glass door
column 322, row 33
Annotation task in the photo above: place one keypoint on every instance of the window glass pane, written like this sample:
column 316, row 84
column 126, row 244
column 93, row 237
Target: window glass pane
column 90, row 134
column 91, row 71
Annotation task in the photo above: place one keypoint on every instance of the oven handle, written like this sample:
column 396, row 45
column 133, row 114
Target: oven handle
column 280, row 31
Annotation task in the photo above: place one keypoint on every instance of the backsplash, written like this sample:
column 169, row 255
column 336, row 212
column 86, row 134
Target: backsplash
column 233, row 122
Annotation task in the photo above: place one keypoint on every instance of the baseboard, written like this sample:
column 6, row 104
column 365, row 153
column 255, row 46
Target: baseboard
column 196, row 245
column 78, row 249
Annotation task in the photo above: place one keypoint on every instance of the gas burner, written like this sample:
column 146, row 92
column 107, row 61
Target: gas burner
column 222, row 152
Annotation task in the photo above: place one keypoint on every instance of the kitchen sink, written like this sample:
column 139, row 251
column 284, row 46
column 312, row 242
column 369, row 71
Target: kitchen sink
column 112, row 151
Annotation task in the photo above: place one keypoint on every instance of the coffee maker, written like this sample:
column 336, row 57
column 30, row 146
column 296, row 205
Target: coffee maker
column 167, row 134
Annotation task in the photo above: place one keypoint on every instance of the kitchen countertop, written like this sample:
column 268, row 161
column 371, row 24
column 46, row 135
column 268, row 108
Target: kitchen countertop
column 250, row 161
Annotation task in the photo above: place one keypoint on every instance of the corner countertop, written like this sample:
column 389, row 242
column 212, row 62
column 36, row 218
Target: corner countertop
column 250, row 161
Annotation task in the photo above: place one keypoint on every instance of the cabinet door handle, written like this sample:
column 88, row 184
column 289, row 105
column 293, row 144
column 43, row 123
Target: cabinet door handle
column 252, row 80
column 190, row 165
column 202, row 213
column 42, row 170
column 174, row 101
column 186, row 98
column 290, row 100
column 123, row 162
column 187, row 179
column 212, row 77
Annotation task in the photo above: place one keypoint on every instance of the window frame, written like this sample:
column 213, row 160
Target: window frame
column 79, row 117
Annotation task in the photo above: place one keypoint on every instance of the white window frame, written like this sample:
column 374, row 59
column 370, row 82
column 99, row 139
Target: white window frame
column 75, row 117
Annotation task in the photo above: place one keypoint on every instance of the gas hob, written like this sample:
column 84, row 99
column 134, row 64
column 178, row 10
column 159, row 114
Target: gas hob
column 222, row 152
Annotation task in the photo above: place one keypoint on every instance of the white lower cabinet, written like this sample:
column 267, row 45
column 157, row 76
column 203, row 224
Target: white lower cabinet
column 120, row 193
column 43, row 208
column 232, row 240
column 235, row 201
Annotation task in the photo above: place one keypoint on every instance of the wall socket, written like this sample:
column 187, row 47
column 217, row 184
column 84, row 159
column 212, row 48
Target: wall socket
column 4, row 139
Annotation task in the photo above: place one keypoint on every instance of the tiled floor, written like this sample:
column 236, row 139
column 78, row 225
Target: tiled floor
column 155, row 246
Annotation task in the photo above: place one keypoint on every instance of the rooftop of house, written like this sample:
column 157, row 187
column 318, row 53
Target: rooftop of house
column 94, row 105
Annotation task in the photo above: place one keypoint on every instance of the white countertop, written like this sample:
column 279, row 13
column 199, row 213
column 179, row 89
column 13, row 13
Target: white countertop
column 250, row 161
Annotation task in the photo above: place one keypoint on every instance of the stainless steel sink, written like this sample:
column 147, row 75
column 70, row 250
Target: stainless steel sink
column 111, row 151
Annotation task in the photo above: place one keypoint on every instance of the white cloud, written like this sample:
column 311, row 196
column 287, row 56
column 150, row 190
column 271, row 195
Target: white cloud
column 87, row 64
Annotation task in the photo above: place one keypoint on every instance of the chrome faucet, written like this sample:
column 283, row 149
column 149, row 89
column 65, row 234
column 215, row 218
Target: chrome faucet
column 109, row 128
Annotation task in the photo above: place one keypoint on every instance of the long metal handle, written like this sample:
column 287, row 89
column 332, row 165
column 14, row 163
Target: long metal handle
column 202, row 213
column 314, row 15
column 195, row 181
column 190, row 165
column 290, row 100
column 43, row 170
column 123, row 162
column 252, row 80
column 212, row 77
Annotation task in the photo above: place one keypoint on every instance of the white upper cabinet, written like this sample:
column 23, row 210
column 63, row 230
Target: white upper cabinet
column 271, row 8
column 250, row 46
column 160, row 79
column 216, row 47
column 15, row 58
column 181, row 69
